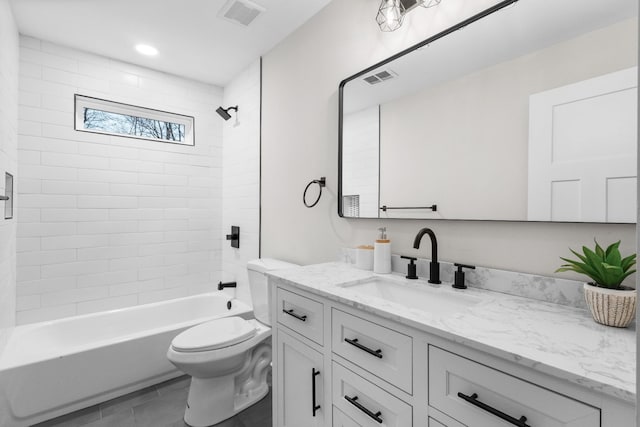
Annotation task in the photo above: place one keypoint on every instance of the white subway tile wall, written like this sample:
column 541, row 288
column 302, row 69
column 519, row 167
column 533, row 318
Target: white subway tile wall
column 241, row 176
column 108, row 222
column 360, row 163
column 8, row 163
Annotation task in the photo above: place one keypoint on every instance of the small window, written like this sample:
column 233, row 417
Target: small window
column 113, row 118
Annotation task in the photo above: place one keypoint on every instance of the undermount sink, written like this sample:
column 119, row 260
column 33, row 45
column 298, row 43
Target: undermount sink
column 421, row 296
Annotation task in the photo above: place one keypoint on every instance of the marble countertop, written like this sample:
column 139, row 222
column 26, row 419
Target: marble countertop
column 555, row 339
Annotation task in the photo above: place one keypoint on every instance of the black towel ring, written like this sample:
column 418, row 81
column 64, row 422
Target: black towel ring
column 321, row 182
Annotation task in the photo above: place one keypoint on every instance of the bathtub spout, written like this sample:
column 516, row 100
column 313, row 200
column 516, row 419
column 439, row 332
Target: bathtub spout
column 221, row 285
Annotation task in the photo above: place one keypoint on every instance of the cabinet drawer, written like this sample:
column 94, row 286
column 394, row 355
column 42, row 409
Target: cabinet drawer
column 383, row 352
column 467, row 391
column 340, row 419
column 301, row 314
column 366, row 403
column 434, row 423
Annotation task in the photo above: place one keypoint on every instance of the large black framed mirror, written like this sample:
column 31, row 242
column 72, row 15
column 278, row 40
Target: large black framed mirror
column 524, row 112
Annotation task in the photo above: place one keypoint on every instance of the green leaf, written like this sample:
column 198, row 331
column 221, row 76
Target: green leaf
column 580, row 268
column 613, row 274
column 627, row 274
column 595, row 262
column 613, row 246
column 583, row 258
column 599, row 250
column 628, row 262
column 612, row 267
column 613, row 256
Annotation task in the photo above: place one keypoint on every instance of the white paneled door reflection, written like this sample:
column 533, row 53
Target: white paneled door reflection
column 582, row 150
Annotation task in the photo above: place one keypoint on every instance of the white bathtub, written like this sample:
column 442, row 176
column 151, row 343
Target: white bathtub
column 51, row 368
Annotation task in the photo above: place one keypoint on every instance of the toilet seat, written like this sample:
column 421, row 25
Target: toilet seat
column 215, row 334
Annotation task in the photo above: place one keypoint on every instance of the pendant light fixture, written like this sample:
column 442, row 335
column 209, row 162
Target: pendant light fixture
column 390, row 15
column 391, row 12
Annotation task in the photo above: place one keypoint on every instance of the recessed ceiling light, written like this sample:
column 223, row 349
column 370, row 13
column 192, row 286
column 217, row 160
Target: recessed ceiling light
column 145, row 49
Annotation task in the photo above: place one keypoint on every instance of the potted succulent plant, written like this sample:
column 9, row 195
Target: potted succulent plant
column 610, row 303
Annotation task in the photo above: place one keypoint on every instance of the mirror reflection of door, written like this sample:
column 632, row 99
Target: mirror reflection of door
column 582, row 150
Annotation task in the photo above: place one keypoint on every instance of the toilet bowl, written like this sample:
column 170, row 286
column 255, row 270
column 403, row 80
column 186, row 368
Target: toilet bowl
column 228, row 358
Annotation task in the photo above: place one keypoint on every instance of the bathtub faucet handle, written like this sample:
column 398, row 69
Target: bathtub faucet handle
column 221, row 285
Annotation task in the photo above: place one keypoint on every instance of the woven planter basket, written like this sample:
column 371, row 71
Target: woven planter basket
column 611, row 307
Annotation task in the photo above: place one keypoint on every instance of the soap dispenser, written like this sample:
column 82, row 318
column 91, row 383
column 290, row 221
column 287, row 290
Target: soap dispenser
column 382, row 253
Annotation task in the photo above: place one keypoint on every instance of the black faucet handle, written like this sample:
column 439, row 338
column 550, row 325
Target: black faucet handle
column 411, row 267
column 458, row 277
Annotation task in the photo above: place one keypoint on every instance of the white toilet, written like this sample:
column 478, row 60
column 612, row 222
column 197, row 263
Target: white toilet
column 228, row 358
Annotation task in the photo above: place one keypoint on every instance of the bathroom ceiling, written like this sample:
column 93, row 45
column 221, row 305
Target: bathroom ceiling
column 192, row 39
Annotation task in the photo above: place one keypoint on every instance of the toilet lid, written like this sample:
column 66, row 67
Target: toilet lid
column 214, row 334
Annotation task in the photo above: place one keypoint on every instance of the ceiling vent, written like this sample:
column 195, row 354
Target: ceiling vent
column 241, row 12
column 380, row 77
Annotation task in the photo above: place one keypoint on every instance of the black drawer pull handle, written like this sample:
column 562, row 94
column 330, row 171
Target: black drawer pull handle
column 375, row 416
column 473, row 399
column 377, row 353
column 297, row 316
column 315, row 407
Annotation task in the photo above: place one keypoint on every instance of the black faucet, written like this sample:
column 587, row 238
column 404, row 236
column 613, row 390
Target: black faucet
column 434, row 266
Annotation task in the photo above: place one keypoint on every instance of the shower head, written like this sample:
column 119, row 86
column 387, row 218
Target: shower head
column 224, row 112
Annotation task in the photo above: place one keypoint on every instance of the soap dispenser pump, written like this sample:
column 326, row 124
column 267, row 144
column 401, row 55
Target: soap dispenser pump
column 382, row 253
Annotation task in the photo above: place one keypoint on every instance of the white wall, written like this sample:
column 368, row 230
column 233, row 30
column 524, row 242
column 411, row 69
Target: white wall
column 109, row 222
column 299, row 138
column 8, row 160
column 241, row 177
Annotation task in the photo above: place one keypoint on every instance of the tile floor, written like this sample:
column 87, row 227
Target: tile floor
column 161, row 405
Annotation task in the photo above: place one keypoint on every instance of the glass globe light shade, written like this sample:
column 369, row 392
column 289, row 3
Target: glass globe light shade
column 390, row 15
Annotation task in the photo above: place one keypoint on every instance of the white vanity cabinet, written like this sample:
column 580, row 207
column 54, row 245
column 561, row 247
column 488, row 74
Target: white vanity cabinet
column 379, row 372
column 299, row 371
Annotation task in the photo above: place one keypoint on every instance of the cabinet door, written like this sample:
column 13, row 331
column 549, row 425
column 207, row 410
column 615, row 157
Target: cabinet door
column 300, row 388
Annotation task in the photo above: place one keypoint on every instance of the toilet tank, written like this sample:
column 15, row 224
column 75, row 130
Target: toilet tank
column 260, row 291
